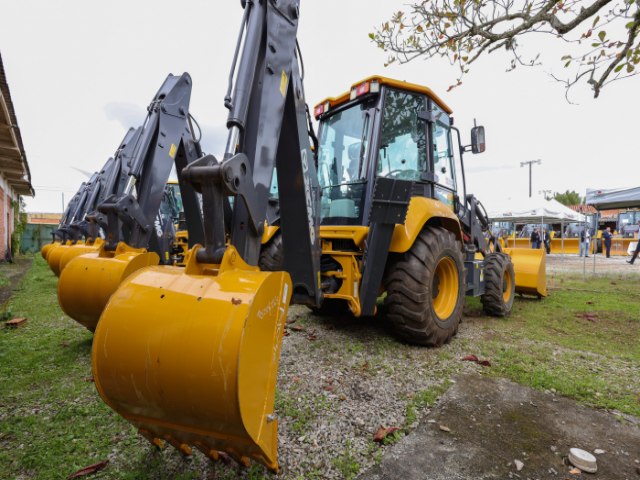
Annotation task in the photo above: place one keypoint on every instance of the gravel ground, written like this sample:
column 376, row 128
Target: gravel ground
column 341, row 378
column 351, row 377
column 598, row 264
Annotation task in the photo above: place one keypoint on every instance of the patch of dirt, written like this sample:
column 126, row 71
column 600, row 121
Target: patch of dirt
column 489, row 424
column 14, row 273
column 593, row 264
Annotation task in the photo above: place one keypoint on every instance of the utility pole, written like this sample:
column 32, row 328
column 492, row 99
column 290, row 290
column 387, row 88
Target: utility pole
column 530, row 163
column 545, row 193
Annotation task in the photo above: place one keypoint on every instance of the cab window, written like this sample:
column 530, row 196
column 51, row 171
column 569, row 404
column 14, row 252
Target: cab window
column 443, row 164
column 403, row 152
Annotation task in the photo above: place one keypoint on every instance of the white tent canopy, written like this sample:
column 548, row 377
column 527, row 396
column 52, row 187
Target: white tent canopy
column 535, row 210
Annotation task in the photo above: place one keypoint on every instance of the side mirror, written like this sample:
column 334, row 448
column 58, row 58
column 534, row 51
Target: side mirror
column 477, row 140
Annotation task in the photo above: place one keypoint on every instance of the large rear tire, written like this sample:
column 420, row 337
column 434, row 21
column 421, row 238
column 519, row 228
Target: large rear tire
column 425, row 289
column 499, row 285
column 271, row 256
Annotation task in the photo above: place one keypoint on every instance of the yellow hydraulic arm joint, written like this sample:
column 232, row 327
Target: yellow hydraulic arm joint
column 194, row 361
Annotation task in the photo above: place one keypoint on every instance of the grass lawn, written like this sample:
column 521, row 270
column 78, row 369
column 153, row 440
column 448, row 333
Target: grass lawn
column 582, row 341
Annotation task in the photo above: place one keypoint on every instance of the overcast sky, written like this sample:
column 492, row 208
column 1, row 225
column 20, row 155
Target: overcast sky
column 81, row 72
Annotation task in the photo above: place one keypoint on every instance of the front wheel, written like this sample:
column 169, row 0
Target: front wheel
column 499, row 285
column 425, row 288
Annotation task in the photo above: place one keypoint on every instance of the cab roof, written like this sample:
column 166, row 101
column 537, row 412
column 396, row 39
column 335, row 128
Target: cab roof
column 399, row 84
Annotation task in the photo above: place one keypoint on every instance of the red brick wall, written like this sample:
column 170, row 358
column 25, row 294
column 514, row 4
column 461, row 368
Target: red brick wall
column 9, row 217
column 3, row 225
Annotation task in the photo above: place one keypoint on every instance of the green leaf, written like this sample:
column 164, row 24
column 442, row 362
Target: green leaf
column 372, row 36
column 567, row 64
column 595, row 20
column 618, row 68
column 630, row 67
column 602, row 34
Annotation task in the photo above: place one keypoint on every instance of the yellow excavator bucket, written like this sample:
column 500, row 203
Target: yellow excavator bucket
column 530, row 266
column 44, row 251
column 190, row 355
column 55, row 255
column 79, row 249
column 88, row 281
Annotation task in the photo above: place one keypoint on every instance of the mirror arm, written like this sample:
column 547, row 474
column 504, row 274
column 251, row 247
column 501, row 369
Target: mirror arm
column 462, row 150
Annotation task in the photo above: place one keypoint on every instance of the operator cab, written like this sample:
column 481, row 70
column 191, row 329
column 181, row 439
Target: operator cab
column 382, row 128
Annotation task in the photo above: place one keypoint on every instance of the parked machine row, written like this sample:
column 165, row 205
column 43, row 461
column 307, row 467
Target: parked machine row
column 374, row 219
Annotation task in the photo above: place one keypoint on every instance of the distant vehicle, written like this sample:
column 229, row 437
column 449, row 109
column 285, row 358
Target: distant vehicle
column 528, row 228
column 574, row 230
column 627, row 225
column 502, row 229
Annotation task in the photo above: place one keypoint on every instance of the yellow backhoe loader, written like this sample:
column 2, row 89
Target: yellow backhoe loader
column 379, row 208
column 137, row 231
column 72, row 233
column 82, row 225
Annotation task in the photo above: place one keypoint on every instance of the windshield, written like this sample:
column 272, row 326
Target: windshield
column 628, row 218
column 403, row 142
column 171, row 205
column 342, row 166
column 343, row 147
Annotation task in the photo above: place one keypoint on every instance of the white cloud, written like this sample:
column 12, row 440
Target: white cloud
column 126, row 114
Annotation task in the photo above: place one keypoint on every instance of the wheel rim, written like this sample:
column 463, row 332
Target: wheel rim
column 507, row 283
column 445, row 288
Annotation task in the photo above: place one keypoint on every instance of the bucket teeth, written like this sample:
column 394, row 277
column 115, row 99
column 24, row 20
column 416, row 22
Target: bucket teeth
column 155, row 441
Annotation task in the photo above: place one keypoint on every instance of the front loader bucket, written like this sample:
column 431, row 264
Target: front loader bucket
column 530, row 266
column 55, row 254
column 76, row 250
column 88, row 281
column 190, row 356
column 44, row 251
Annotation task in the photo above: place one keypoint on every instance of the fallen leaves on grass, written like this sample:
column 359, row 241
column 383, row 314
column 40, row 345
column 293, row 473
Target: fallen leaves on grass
column 15, row 322
column 384, row 432
column 474, row 359
column 96, row 467
column 591, row 316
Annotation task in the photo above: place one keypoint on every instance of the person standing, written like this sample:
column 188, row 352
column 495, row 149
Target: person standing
column 546, row 240
column 637, row 250
column 606, row 235
column 587, row 241
column 535, row 238
column 582, row 237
